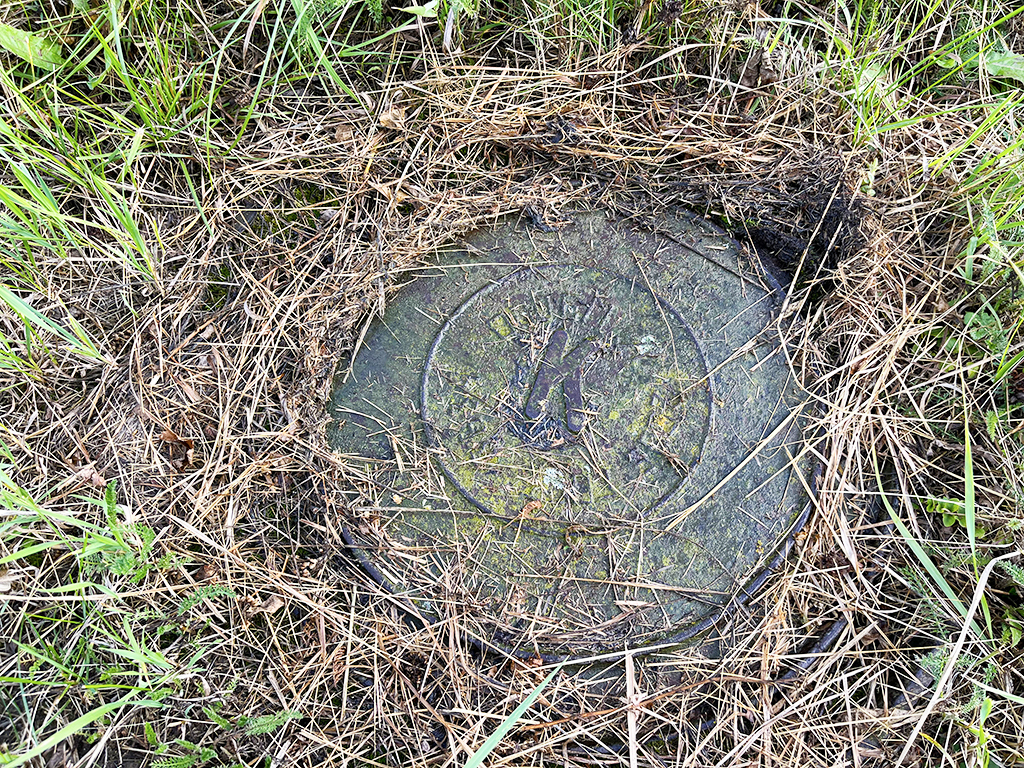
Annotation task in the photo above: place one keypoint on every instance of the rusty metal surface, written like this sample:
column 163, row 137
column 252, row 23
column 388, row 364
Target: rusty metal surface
column 588, row 434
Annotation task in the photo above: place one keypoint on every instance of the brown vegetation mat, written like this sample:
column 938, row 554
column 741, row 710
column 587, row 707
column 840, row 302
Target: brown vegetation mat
column 210, row 417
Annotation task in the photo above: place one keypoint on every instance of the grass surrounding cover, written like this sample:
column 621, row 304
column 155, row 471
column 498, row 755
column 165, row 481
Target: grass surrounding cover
column 203, row 203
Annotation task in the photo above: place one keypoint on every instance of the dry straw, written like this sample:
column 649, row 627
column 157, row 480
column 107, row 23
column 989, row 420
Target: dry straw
column 210, row 416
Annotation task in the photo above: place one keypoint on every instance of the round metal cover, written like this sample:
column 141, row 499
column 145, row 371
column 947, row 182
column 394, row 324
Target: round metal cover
column 590, row 435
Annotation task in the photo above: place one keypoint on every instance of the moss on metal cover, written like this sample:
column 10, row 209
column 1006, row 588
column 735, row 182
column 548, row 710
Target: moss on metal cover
column 597, row 439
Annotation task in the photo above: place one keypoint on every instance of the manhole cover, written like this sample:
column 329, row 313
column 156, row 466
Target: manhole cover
column 589, row 436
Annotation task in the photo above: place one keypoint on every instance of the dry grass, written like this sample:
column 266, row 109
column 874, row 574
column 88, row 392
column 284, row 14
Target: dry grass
column 210, row 417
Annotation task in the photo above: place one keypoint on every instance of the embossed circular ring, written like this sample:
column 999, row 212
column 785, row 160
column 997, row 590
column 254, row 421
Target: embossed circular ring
column 589, row 439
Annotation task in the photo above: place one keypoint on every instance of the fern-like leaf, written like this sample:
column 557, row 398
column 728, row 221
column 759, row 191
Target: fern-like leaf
column 178, row 761
column 269, row 723
column 202, row 593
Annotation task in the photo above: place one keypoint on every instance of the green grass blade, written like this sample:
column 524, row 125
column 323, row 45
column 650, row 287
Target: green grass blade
column 970, row 517
column 997, row 112
column 922, row 556
column 42, row 659
column 36, row 187
column 999, row 692
column 969, row 510
column 301, row 11
column 28, row 551
column 1007, row 367
column 75, row 726
column 78, row 341
column 477, row 758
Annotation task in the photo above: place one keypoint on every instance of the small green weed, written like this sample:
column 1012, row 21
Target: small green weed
column 125, row 549
column 1013, row 626
column 953, row 514
column 255, row 726
column 982, row 754
column 204, row 592
column 985, row 328
column 1013, row 617
column 213, row 712
column 106, row 647
column 934, row 663
column 193, row 755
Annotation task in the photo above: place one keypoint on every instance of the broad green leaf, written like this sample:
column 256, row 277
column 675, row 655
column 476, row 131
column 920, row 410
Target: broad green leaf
column 428, row 11
column 1009, row 65
column 37, row 50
